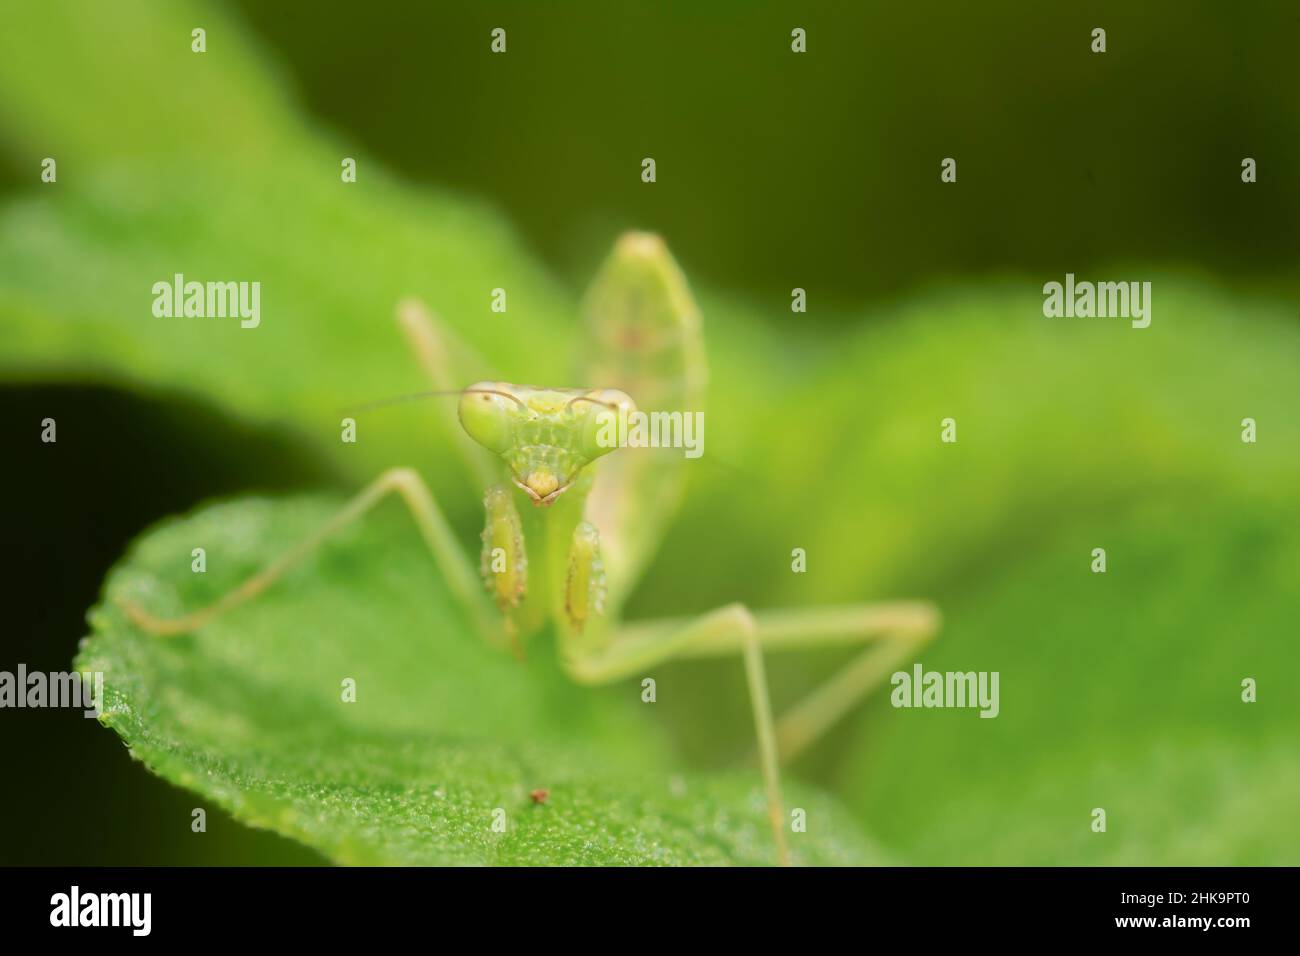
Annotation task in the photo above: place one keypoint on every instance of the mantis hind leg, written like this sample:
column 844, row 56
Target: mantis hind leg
column 896, row 630
column 734, row 624
column 428, row 518
column 827, row 705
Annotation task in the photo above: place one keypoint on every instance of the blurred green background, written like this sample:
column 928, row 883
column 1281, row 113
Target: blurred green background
column 774, row 171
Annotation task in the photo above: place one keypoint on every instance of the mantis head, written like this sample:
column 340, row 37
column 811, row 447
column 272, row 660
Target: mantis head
column 545, row 436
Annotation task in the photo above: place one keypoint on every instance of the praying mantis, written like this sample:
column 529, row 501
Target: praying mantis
column 570, row 527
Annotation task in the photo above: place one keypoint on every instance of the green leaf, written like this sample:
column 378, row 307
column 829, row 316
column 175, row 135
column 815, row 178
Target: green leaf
column 1070, row 433
column 1120, row 691
column 249, row 712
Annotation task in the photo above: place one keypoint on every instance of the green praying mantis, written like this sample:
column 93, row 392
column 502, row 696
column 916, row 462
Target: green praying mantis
column 565, row 540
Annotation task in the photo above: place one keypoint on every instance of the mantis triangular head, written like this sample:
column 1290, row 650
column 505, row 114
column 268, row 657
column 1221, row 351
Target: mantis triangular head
column 545, row 436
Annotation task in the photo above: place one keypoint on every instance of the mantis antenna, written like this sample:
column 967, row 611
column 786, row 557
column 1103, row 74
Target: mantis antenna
column 437, row 393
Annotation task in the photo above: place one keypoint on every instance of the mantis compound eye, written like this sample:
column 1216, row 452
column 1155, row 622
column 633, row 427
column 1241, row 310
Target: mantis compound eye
column 605, row 420
column 488, row 414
